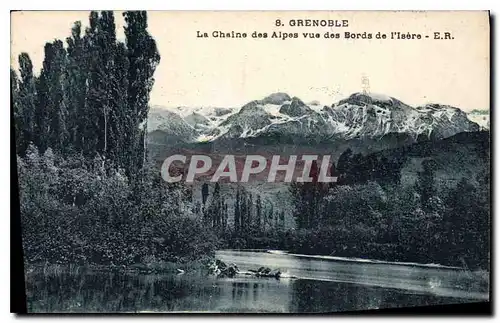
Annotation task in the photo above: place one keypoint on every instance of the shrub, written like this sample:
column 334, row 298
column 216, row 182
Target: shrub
column 75, row 211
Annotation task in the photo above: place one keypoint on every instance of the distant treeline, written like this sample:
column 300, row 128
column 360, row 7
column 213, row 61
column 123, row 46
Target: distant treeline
column 477, row 111
column 372, row 218
column 251, row 215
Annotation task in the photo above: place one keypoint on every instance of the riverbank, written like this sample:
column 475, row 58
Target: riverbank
column 329, row 243
column 161, row 267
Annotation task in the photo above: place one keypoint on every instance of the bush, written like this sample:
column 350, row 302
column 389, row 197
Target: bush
column 75, row 211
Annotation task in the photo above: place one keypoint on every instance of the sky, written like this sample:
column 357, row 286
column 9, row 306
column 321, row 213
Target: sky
column 228, row 72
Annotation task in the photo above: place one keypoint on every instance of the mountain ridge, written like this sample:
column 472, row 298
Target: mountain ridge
column 359, row 116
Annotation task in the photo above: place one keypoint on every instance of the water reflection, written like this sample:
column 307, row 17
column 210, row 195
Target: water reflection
column 331, row 290
column 445, row 282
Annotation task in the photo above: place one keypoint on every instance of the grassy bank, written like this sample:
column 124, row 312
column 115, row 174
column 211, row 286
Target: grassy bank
column 160, row 267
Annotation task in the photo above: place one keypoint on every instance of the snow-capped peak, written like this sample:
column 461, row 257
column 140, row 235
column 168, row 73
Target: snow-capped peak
column 361, row 115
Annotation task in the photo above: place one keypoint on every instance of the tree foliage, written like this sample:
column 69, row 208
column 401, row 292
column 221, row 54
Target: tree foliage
column 88, row 195
column 92, row 95
column 73, row 211
column 393, row 222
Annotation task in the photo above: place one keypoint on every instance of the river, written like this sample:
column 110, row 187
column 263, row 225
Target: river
column 319, row 284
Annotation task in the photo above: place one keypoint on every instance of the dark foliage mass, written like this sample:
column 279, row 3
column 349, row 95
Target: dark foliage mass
column 91, row 97
column 371, row 216
column 87, row 194
column 74, row 210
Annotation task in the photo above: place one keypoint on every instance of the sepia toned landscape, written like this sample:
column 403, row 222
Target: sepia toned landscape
column 100, row 105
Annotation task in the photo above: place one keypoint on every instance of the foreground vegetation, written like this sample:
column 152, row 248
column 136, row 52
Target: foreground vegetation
column 87, row 193
column 74, row 211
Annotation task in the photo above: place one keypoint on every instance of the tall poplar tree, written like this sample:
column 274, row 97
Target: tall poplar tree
column 14, row 97
column 143, row 59
column 119, row 117
column 258, row 213
column 237, row 211
column 76, row 87
column 93, row 97
column 93, row 89
column 25, row 102
column 51, row 112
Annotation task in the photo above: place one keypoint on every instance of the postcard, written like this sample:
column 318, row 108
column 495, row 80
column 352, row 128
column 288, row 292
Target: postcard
column 252, row 161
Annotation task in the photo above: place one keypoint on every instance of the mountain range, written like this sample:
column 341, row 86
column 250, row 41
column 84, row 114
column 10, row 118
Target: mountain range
column 360, row 116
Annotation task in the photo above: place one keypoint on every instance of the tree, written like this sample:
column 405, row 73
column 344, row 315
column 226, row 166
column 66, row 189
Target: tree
column 216, row 209
column 99, row 46
column 204, row 193
column 243, row 212
column 282, row 219
column 224, row 216
column 119, row 118
column 468, row 223
column 76, row 77
column 248, row 212
column 95, row 94
column 24, row 103
column 143, row 59
column 237, row 211
column 92, row 98
column 105, row 122
column 14, row 97
column 258, row 213
column 307, row 198
column 269, row 215
column 106, row 42
column 344, row 164
column 51, row 110
column 425, row 183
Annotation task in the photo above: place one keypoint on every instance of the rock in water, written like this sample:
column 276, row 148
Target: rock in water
column 229, row 272
column 220, row 264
